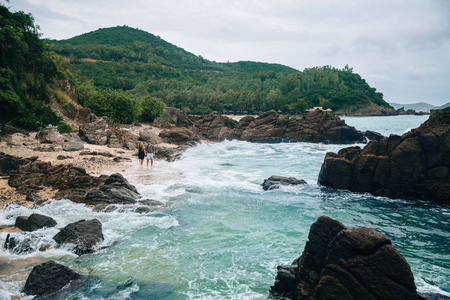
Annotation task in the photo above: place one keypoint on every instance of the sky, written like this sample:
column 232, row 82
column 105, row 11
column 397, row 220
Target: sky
column 401, row 47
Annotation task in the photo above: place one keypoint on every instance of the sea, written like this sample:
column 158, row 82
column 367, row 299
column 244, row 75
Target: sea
column 219, row 235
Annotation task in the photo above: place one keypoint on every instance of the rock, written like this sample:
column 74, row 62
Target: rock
column 358, row 263
column 74, row 143
column 25, row 242
column 49, row 137
column 33, row 197
column 171, row 117
column 148, row 135
column 84, row 234
column 169, row 154
column 413, row 166
column 9, row 163
column 96, row 132
column 85, row 116
column 115, row 190
column 216, row 128
column 274, row 182
column 106, row 154
column 372, row 135
column 432, row 296
column 48, row 278
column 179, row 135
column 34, row 222
column 63, row 157
column 46, row 149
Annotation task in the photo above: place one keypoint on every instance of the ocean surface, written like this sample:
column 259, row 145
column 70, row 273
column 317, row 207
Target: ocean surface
column 219, row 235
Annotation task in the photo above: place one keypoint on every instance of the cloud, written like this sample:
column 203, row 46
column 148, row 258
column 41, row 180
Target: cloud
column 400, row 46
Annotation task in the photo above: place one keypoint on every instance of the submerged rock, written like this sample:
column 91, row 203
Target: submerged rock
column 343, row 263
column 83, row 234
column 48, row 278
column 115, row 190
column 34, row 222
column 274, row 182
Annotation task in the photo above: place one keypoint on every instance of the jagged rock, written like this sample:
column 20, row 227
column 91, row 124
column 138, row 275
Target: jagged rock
column 63, row 157
column 179, row 135
column 48, row 278
column 413, row 166
column 106, row 154
column 9, row 163
column 216, row 128
column 148, row 135
column 169, row 154
column 344, row 263
column 96, row 132
column 84, row 234
column 372, row 135
column 274, row 182
column 33, row 197
column 115, row 190
column 171, row 117
column 34, row 222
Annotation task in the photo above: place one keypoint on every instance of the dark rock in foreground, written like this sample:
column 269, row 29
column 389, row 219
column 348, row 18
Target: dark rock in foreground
column 84, row 234
column 48, row 278
column 341, row 263
column 413, row 166
column 274, row 182
column 34, row 222
column 115, row 190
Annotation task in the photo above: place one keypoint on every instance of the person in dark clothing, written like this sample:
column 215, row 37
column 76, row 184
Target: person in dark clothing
column 141, row 153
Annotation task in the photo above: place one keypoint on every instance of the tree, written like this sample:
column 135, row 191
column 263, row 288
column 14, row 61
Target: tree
column 151, row 108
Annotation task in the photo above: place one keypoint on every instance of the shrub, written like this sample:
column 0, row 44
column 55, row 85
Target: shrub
column 64, row 128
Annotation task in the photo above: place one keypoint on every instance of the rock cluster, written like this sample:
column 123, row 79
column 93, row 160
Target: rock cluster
column 315, row 126
column 413, row 166
column 34, row 222
column 341, row 263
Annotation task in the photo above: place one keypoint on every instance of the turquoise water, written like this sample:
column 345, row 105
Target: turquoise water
column 220, row 236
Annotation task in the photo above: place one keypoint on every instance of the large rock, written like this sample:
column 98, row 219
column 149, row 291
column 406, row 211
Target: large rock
column 413, row 166
column 73, row 143
column 274, row 182
column 149, row 135
column 171, row 117
column 341, row 263
column 179, row 135
column 115, row 190
column 97, row 132
column 10, row 163
column 315, row 126
column 83, row 234
column 48, row 278
column 49, row 137
column 34, row 222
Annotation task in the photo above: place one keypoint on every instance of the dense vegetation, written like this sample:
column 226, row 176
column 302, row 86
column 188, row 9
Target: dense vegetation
column 26, row 71
column 139, row 64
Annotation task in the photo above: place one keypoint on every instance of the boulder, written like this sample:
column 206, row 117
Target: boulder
column 115, row 190
column 10, row 163
column 171, row 117
column 179, row 135
column 49, row 137
column 48, row 278
column 74, row 143
column 33, row 197
column 344, row 263
column 34, row 222
column 413, row 166
column 83, row 234
column 274, row 182
column 149, row 135
column 97, row 132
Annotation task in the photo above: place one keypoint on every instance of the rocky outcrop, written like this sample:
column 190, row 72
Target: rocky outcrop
column 413, row 166
column 342, row 263
column 10, row 163
column 179, row 135
column 34, row 222
column 83, row 234
column 72, row 183
column 48, row 278
column 115, row 190
column 274, row 182
column 172, row 117
column 315, row 126
column 149, row 135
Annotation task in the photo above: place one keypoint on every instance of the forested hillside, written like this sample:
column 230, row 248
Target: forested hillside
column 143, row 65
column 26, row 71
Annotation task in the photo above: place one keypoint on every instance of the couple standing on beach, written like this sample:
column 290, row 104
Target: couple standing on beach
column 147, row 151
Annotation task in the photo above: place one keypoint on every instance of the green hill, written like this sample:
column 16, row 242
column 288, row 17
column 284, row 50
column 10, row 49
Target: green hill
column 142, row 64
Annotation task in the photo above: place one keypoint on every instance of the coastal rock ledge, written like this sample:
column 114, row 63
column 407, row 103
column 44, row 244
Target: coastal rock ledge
column 341, row 263
column 413, row 166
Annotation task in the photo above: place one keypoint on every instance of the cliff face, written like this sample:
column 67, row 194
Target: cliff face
column 413, row 166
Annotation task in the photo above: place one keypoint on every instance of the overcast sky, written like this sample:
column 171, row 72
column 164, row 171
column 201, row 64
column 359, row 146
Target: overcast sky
column 401, row 47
